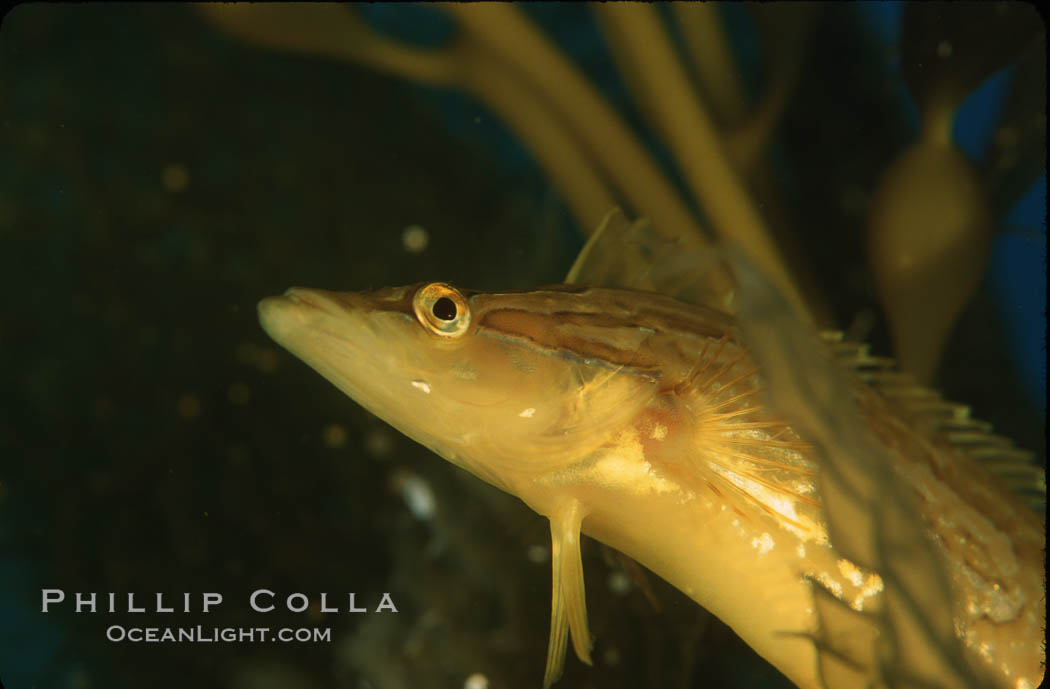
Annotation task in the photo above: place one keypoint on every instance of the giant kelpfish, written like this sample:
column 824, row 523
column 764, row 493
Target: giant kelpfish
column 853, row 527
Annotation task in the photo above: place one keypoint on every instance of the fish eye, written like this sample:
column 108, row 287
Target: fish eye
column 442, row 310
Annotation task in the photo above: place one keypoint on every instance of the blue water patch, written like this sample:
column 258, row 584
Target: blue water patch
column 978, row 116
column 883, row 21
column 1029, row 212
column 28, row 642
column 420, row 24
column 744, row 42
column 1017, row 276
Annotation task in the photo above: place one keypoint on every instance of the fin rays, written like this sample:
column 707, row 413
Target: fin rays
column 1012, row 466
column 568, row 602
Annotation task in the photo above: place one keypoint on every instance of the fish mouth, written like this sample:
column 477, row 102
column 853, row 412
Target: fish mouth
column 303, row 310
column 299, row 307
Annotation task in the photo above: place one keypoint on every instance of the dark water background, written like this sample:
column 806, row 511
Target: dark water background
column 157, row 178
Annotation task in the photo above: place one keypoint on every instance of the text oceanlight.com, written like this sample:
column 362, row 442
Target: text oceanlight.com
column 202, row 634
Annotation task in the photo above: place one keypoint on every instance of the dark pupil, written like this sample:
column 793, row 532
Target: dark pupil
column 445, row 309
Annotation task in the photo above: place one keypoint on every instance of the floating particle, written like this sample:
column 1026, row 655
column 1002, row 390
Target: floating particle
column 250, row 354
column 611, row 656
column 476, row 681
column 334, row 435
column 238, row 393
column 944, row 50
column 537, row 553
column 266, row 360
column 619, row 583
column 379, row 443
column 189, row 406
column 175, row 178
column 416, row 493
column 415, row 239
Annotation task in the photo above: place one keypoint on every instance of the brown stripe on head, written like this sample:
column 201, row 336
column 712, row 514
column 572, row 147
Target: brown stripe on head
column 587, row 337
column 610, row 308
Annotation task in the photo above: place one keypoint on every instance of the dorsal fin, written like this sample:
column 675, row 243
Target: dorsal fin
column 632, row 255
column 1012, row 466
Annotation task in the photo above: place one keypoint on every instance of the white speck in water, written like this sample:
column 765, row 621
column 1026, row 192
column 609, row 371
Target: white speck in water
column 421, row 385
column 619, row 583
column 659, row 432
column 764, row 543
column 801, row 550
column 415, row 239
column 476, row 681
column 944, row 49
column 537, row 553
column 416, row 493
column 527, row 413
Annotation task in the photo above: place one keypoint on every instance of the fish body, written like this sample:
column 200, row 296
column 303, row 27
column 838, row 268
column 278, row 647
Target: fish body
column 639, row 419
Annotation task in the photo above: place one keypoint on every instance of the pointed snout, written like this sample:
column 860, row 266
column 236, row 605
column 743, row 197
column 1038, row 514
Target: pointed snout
column 281, row 317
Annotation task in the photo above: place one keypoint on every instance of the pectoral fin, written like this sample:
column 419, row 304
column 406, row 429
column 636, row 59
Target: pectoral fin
column 568, row 606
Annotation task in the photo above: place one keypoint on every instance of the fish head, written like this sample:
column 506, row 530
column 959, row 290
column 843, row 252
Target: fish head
column 492, row 382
